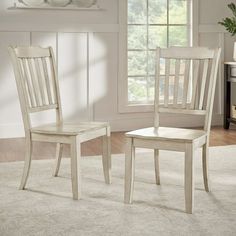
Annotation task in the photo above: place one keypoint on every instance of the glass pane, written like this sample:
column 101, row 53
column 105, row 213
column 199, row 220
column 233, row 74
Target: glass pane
column 178, row 36
column 178, row 11
column 137, row 63
column 137, row 37
column 162, row 66
column 151, row 62
column 182, row 67
column 161, row 89
column 171, row 88
column 181, row 88
column 157, row 11
column 137, row 11
column 172, row 66
column 150, row 88
column 157, row 37
column 137, row 89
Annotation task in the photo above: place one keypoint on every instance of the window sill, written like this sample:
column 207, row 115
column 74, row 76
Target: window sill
column 136, row 108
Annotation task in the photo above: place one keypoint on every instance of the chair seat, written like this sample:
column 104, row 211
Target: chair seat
column 167, row 133
column 69, row 128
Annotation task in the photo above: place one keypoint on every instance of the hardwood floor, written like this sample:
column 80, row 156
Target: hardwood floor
column 13, row 149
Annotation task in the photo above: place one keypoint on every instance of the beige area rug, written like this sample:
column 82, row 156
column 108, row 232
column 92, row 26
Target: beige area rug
column 46, row 207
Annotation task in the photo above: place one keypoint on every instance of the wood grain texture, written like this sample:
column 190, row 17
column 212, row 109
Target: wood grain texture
column 13, row 149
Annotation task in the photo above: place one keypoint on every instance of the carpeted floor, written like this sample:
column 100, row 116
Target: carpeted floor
column 46, row 207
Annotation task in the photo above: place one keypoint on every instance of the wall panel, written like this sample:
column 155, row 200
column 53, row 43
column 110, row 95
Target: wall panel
column 73, row 78
column 10, row 115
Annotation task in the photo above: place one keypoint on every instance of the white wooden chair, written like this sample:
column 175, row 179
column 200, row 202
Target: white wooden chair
column 188, row 92
column 38, row 90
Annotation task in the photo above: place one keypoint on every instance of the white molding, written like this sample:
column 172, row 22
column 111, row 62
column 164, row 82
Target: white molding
column 123, row 106
column 11, row 131
column 122, row 70
column 220, row 31
column 195, row 23
column 60, row 28
column 221, row 37
column 90, row 75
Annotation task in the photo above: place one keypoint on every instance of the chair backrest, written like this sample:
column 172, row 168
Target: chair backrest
column 37, row 81
column 186, row 81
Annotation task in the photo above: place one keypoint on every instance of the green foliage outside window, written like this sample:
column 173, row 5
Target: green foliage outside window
column 151, row 24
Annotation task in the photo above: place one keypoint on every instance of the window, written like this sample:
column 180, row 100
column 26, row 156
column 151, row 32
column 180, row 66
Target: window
column 146, row 24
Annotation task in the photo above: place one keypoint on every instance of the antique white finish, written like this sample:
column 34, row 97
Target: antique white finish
column 196, row 98
column 38, row 90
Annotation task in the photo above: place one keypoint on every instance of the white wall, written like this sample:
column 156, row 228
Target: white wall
column 86, row 43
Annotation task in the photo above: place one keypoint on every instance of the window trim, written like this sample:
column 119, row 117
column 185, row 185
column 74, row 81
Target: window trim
column 123, row 105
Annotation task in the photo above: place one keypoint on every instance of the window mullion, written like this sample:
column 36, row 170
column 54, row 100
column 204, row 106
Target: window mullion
column 168, row 22
column 141, row 50
column 147, row 46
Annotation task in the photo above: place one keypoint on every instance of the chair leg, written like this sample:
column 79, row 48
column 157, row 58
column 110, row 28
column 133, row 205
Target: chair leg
column 189, row 178
column 75, row 168
column 205, row 158
column 59, row 150
column 28, row 156
column 157, row 166
column 129, row 170
column 106, row 156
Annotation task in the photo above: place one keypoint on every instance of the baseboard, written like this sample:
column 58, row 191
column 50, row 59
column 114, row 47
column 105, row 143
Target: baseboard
column 166, row 120
column 11, row 131
column 125, row 124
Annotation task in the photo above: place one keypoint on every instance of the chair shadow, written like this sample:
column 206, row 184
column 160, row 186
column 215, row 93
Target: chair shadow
column 47, row 193
column 217, row 202
column 159, row 206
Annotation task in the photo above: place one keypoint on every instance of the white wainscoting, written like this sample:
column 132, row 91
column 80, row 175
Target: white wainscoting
column 219, row 34
column 91, row 78
column 76, row 76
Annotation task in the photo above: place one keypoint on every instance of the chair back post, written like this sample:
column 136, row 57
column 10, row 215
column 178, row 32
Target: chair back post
column 59, row 117
column 21, row 94
column 212, row 86
column 37, row 81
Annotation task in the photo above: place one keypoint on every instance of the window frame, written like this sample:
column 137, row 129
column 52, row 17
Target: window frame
column 123, row 104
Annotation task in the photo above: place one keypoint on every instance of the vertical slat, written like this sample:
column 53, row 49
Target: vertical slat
column 24, row 85
column 53, row 81
column 176, row 82
column 167, row 82
column 186, row 83
column 28, row 81
column 47, row 80
column 40, row 80
column 34, row 82
column 57, row 100
column 157, row 89
column 203, row 84
column 194, row 83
